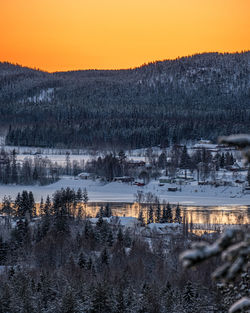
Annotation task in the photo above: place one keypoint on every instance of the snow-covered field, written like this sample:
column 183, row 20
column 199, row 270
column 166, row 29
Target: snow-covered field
column 192, row 195
column 59, row 155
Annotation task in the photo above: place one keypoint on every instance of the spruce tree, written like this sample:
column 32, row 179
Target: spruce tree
column 189, row 297
column 41, row 207
column 120, row 236
column 164, row 214
column 85, row 197
column 141, row 218
column 79, row 195
column 101, row 302
column 169, row 215
column 24, row 206
column 81, row 261
column 100, row 213
column 104, row 258
column 69, row 303
column 6, row 206
column 47, row 207
column 158, row 213
column 178, row 214
column 107, row 211
column 110, row 239
column 248, row 176
column 32, row 204
column 150, row 215
column 14, row 174
column 17, row 204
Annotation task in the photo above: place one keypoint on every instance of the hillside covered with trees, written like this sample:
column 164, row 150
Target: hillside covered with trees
column 204, row 95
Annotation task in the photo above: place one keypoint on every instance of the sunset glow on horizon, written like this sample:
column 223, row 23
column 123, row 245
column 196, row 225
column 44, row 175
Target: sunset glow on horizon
column 57, row 35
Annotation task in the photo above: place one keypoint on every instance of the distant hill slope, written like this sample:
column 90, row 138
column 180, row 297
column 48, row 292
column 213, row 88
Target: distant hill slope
column 198, row 96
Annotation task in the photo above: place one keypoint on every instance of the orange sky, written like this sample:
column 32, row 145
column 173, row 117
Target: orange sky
column 80, row 34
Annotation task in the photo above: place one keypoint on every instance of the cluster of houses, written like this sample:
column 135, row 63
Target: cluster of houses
column 231, row 175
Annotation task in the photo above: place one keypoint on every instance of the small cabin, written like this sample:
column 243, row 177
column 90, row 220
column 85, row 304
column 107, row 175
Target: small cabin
column 164, row 180
column 136, row 164
column 123, row 179
column 236, row 167
column 84, row 175
column 247, row 190
column 173, row 189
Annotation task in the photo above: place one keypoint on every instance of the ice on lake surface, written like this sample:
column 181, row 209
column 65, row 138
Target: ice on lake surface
column 213, row 215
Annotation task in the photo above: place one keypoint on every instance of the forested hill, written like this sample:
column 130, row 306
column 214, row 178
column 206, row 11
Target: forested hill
column 204, row 95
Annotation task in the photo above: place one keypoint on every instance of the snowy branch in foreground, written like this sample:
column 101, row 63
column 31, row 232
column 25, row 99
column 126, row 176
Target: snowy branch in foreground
column 240, row 306
column 233, row 246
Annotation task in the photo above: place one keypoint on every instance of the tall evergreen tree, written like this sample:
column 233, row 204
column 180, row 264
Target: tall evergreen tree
column 158, row 213
column 178, row 214
column 169, row 215
column 150, row 214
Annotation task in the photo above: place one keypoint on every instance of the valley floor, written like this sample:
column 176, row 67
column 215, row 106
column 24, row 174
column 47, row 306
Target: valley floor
column 191, row 194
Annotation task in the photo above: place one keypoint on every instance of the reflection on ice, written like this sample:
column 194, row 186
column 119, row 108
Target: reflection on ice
column 197, row 215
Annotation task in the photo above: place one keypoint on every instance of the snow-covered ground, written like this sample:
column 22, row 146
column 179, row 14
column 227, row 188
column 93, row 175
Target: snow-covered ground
column 192, row 194
column 59, row 155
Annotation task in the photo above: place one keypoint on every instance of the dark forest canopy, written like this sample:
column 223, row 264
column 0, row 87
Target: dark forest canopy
column 204, row 95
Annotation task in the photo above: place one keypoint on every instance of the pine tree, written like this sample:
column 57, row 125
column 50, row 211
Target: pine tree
column 178, row 214
column 169, row 215
column 6, row 206
column 35, row 175
column 141, row 218
column 222, row 160
column 47, row 206
column 17, row 204
column 85, row 197
column 79, row 195
column 189, row 298
column 14, row 174
column 248, row 176
column 24, row 205
column 5, row 299
column 127, row 238
column 151, row 215
column 162, row 160
column 104, row 258
column 81, row 260
column 3, row 251
column 68, row 164
column 7, row 210
column 32, row 204
column 168, row 297
column 122, row 156
column 101, row 302
column 107, row 211
column 185, row 160
column 164, row 215
column 69, row 303
column 100, row 221
column 120, row 306
column 100, row 213
column 120, row 236
column 110, row 239
column 158, row 213
column 41, row 207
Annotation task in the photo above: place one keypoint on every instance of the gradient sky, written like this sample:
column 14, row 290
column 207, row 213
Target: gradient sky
column 81, row 34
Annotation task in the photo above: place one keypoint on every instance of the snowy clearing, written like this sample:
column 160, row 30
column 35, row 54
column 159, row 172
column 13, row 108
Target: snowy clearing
column 192, row 195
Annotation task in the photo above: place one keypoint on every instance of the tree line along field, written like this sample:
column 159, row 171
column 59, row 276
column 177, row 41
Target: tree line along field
column 163, row 102
column 44, row 169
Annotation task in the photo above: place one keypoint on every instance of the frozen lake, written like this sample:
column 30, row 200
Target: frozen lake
column 216, row 217
column 188, row 195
